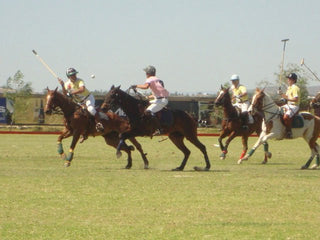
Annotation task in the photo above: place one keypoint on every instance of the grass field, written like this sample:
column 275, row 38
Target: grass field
column 96, row 198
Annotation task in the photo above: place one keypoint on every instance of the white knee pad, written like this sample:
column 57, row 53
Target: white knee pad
column 92, row 110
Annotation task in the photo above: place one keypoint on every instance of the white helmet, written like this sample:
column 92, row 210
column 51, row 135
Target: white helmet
column 234, row 77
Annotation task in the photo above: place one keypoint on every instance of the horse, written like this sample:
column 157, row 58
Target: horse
column 272, row 126
column 181, row 125
column 232, row 126
column 78, row 122
column 315, row 104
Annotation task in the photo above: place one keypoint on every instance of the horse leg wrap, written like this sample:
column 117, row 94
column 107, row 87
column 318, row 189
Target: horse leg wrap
column 60, row 148
column 70, row 156
column 243, row 153
column 251, row 152
column 225, row 151
column 318, row 160
column 266, row 147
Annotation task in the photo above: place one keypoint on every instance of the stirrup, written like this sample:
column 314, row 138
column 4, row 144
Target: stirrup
column 99, row 127
column 157, row 132
column 245, row 127
column 288, row 135
column 83, row 138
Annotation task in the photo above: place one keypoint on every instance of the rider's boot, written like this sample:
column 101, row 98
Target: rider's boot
column 155, row 123
column 245, row 120
column 288, row 124
column 99, row 125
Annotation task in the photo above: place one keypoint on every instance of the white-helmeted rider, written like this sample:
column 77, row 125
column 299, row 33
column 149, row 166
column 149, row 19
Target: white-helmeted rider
column 240, row 98
column 75, row 87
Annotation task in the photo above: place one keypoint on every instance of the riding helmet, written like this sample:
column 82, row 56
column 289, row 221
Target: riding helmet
column 150, row 70
column 71, row 71
column 234, row 77
column 293, row 76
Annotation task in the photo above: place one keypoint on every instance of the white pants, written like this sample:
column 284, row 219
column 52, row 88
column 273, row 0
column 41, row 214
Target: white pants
column 291, row 109
column 157, row 104
column 90, row 103
column 244, row 108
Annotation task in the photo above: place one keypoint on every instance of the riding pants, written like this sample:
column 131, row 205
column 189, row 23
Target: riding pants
column 157, row 104
column 291, row 109
column 90, row 103
column 244, row 108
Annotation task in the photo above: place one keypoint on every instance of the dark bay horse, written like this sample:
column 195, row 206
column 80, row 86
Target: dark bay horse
column 183, row 125
column 232, row 125
column 78, row 122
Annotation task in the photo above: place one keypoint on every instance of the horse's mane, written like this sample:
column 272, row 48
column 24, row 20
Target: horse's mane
column 66, row 101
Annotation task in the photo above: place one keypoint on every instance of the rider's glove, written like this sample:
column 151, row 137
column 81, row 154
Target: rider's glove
column 69, row 94
column 133, row 87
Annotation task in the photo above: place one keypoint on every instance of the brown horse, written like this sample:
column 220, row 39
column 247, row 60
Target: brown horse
column 78, row 122
column 232, row 125
column 182, row 124
column 315, row 104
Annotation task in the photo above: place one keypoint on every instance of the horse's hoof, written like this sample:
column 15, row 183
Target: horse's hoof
column 63, row 156
column 304, row 167
column 146, row 167
column 264, row 162
column 223, row 156
column 239, row 161
column 128, row 166
column 119, row 154
column 131, row 148
column 314, row 166
column 177, row 169
column 67, row 163
column 201, row 169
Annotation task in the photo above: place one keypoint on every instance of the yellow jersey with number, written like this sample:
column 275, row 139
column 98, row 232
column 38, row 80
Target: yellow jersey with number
column 72, row 86
column 293, row 91
column 240, row 90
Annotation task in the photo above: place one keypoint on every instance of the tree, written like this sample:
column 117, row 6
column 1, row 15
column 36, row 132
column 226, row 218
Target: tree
column 16, row 89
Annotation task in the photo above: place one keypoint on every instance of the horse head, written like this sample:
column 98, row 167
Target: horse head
column 257, row 100
column 315, row 102
column 112, row 98
column 51, row 101
column 223, row 97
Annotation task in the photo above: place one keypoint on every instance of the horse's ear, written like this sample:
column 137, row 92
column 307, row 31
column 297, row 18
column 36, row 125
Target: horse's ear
column 48, row 89
column 112, row 87
column 221, row 87
column 257, row 89
column 56, row 89
column 119, row 87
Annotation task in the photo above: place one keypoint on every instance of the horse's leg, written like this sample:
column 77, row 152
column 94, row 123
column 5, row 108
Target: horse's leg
column 267, row 154
column 143, row 155
column 224, row 149
column 195, row 141
column 262, row 138
column 177, row 139
column 112, row 139
column 122, row 144
column 244, row 140
column 65, row 134
column 76, row 136
column 317, row 164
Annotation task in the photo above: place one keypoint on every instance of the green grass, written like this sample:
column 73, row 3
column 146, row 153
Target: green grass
column 96, row 198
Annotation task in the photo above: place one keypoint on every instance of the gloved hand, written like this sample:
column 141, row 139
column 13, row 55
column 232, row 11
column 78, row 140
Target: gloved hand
column 69, row 94
column 133, row 87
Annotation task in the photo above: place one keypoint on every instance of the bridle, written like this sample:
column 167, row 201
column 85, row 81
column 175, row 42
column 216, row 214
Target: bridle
column 265, row 109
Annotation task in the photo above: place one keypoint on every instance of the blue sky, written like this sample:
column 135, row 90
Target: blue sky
column 196, row 45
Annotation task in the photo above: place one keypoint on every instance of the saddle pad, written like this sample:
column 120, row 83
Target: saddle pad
column 166, row 117
column 297, row 121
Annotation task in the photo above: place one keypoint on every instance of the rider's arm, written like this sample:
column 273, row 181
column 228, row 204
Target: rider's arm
column 80, row 90
column 294, row 99
column 143, row 86
column 62, row 86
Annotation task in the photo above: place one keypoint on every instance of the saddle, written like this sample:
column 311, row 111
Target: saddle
column 165, row 117
column 297, row 119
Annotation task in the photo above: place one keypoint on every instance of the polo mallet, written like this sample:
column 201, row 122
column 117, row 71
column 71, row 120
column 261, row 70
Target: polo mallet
column 282, row 62
column 45, row 64
column 303, row 64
